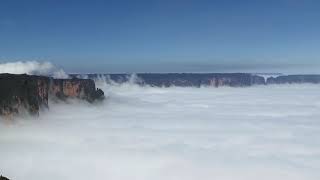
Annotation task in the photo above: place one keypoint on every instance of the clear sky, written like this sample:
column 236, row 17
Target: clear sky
column 163, row 35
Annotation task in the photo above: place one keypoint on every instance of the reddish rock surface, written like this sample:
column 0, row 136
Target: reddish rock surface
column 75, row 88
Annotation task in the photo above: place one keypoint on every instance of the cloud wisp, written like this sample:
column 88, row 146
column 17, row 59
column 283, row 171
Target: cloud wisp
column 33, row 68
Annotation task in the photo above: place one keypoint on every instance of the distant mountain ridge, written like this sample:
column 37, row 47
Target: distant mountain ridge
column 294, row 79
column 205, row 79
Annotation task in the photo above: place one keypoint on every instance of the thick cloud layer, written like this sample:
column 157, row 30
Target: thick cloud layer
column 32, row 68
column 267, row 132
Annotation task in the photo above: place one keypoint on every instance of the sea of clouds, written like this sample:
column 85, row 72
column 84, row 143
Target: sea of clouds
column 33, row 68
column 145, row 133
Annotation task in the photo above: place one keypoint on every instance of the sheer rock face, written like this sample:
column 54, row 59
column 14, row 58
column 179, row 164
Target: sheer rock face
column 75, row 88
column 20, row 93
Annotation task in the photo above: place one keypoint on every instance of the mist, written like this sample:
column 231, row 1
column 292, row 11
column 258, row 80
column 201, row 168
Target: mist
column 261, row 132
column 33, row 68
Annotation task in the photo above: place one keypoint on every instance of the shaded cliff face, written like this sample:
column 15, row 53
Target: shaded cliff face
column 20, row 93
column 294, row 79
column 189, row 79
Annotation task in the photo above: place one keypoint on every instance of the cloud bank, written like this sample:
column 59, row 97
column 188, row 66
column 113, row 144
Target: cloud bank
column 267, row 132
column 33, row 68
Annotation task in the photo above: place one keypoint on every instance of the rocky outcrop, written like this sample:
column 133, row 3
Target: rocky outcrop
column 187, row 79
column 75, row 88
column 294, row 79
column 3, row 178
column 25, row 93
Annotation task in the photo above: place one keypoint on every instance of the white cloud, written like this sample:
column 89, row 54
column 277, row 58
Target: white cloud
column 262, row 132
column 32, row 68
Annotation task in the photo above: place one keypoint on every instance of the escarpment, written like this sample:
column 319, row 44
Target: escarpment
column 187, row 79
column 198, row 80
column 75, row 88
column 28, row 93
column 206, row 79
column 23, row 92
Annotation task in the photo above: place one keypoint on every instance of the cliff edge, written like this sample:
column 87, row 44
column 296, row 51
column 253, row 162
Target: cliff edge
column 30, row 93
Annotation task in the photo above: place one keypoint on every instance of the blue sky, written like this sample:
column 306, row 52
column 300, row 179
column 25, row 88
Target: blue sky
column 163, row 35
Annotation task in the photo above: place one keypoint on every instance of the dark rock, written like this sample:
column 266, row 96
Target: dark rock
column 19, row 92
column 23, row 92
column 99, row 94
column 3, row 178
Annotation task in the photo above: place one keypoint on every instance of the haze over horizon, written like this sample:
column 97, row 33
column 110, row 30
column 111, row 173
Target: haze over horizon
column 163, row 36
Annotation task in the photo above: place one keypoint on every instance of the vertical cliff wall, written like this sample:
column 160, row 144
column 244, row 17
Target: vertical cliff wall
column 20, row 93
column 75, row 88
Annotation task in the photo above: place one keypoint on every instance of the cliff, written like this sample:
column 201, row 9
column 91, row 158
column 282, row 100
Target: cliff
column 198, row 80
column 294, row 79
column 75, row 88
column 23, row 92
column 20, row 93
column 187, row 79
column 206, row 79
